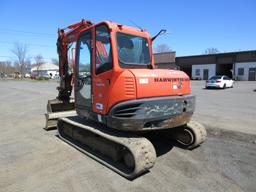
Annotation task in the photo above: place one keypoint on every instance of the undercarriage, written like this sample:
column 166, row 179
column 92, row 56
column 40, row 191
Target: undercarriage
column 130, row 154
column 120, row 141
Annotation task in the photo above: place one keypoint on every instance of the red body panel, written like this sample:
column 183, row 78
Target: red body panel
column 160, row 82
column 123, row 88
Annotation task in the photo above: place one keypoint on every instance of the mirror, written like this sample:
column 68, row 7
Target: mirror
column 161, row 32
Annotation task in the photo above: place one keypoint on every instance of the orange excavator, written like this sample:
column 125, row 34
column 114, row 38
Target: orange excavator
column 119, row 94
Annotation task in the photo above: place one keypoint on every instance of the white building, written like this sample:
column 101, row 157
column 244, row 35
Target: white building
column 203, row 71
column 237, row 65
column 245, row 71
column 45, row 70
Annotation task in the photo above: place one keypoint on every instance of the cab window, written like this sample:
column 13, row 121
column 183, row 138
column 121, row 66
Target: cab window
column 133, row 51
column 103, row 50
column 84, row 56
column 71, row 47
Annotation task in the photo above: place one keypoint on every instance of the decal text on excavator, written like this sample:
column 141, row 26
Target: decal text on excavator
column 170, row 79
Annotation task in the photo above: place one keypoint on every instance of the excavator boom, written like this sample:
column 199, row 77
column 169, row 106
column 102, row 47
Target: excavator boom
column 63, row 105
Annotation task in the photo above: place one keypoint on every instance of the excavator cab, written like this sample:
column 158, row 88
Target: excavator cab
column 103, row 52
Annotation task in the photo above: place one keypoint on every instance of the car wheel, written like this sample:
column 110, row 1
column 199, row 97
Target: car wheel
column 224, row 86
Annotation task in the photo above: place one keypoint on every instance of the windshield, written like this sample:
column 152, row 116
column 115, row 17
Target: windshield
column 133, row 51
column 215, row 77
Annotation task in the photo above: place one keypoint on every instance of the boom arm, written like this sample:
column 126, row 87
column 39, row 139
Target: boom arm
column 65, row 38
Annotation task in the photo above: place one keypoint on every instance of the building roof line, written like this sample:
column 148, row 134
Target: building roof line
column 217, row 54
column 164, row 52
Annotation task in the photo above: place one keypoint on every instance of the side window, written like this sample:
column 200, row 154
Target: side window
column 84, row 65
column 197, row 72
column 71, row 46
column 103, row 49
column 240, row 71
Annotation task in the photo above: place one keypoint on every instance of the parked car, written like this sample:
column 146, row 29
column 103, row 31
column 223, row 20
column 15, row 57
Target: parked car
column 56, row 76
column 40, row 75
column 45, row 75
column 27, row 75
column 196, row 78
column 219, row 81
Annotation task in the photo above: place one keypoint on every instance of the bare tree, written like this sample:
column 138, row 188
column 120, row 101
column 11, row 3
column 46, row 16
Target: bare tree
column 2, row 67
column 55, row 61
column 6, row 68
column 28, row 65
column 9, row 68
column 39, row 60
column 161, row 48
column 20, row 51
column 211, row 50
column 16, row 66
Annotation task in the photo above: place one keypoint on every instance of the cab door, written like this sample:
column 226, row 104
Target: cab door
column 103, row 68
column 83, row 78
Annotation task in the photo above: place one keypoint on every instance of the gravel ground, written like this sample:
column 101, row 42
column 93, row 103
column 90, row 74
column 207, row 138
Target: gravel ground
column 32, row 159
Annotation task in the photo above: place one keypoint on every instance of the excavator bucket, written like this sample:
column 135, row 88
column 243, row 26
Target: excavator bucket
column 57, row 109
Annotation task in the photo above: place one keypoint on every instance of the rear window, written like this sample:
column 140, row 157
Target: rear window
column 215, row 77
column 226, row 78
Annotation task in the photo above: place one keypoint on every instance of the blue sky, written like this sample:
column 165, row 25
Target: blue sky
column 192, row 26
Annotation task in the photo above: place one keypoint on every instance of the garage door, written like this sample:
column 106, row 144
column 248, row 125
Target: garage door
column 252, row 74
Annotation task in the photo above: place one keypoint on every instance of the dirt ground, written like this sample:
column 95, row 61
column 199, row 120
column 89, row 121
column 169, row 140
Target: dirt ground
column 32, row 159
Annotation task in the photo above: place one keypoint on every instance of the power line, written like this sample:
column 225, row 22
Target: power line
column 31, row 44
column 5, row 33
column 8, row 57
column 45, row 58
column 28, row 32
